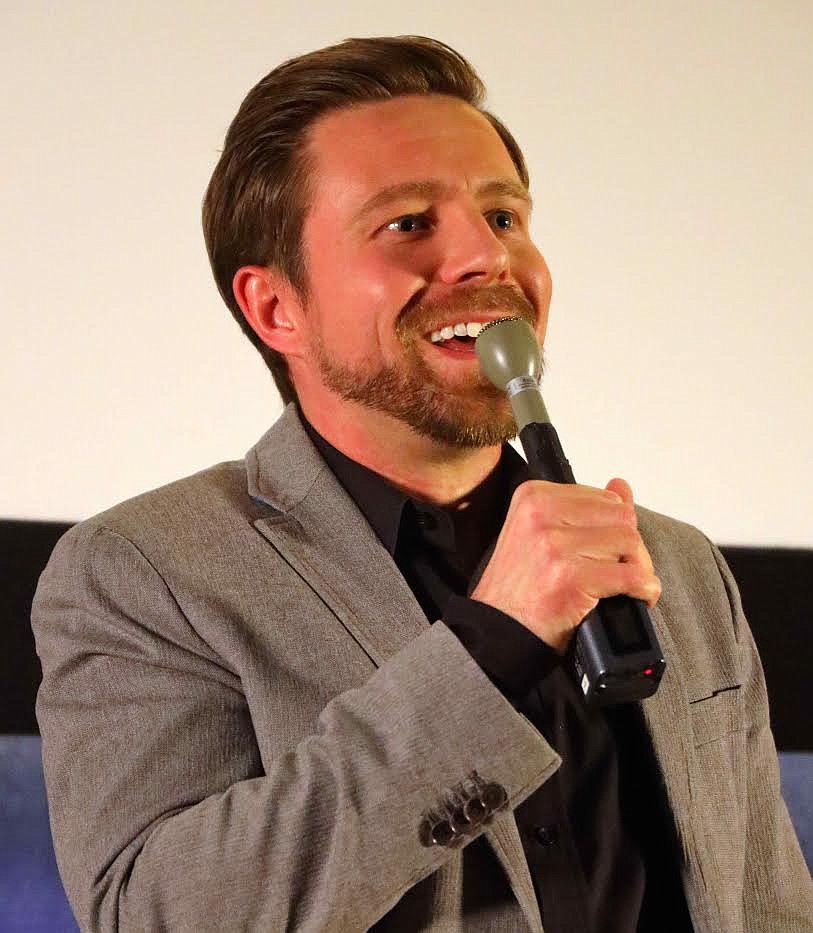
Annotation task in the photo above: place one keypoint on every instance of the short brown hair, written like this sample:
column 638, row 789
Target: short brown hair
column 257, row 199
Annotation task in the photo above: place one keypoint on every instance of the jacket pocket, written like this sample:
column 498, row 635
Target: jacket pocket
column 717, row 715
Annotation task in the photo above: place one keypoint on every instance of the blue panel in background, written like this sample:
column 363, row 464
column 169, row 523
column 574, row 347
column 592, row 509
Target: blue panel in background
column 796, row 769
column 32, row 899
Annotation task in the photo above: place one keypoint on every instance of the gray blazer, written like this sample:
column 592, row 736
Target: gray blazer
column 246, row 718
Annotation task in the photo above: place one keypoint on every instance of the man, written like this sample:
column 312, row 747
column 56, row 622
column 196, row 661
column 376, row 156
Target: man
column 329, row 687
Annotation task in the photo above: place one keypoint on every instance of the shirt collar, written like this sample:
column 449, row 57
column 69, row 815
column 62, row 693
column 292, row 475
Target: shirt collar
column 385, row 506
column 380, row 502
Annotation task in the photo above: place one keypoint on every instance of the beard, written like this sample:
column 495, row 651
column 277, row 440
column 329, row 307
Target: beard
column 471, row 413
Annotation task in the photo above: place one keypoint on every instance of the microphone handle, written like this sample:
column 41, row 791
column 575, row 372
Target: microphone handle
column 617, row 655
column 546, row 459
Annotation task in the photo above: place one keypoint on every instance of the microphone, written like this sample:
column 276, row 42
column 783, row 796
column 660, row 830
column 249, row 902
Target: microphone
column 617, row 655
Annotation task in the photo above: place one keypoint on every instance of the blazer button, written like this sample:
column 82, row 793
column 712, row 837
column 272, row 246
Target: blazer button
column 494, row 796
column 461, row 819
column 436, row 833
column 475, row 810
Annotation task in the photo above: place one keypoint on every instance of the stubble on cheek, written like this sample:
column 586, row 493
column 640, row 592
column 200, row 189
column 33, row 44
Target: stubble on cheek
column 472, row 413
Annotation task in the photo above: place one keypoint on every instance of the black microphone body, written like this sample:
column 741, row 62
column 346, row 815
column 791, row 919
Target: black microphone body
column 617, row 655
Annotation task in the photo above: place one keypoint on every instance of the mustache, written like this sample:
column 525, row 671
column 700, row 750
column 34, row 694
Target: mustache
column 421, row 317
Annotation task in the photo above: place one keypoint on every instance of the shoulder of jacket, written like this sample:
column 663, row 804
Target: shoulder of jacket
column 689, row 565
column 662, row 532
column 211, row 501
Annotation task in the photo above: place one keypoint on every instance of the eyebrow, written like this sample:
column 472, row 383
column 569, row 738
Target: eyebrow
column 434, row 188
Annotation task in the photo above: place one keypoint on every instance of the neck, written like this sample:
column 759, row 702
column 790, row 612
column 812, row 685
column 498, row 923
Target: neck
column 443, row 474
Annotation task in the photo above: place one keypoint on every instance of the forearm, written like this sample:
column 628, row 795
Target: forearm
column 330, row 837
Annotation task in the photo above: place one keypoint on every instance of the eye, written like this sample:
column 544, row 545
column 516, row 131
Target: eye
column 503, row 219
column 409, row 223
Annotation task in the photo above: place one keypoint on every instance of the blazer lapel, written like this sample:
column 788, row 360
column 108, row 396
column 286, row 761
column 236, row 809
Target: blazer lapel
column 322, row 534
column 505, row 840
column 318, row 529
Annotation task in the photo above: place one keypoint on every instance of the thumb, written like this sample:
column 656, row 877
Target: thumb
column 621, row 488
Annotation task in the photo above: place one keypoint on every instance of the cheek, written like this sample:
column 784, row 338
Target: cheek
column 532, row 272
column 375, row 289
column 359, row 306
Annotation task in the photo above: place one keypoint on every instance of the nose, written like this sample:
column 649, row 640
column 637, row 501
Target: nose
column 470, row 250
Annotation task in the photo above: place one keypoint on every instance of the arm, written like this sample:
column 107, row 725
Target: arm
column 777, row 889
column 163, row 815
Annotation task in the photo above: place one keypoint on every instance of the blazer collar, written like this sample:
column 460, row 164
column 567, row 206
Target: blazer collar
column 318, row 529
column 284, row 464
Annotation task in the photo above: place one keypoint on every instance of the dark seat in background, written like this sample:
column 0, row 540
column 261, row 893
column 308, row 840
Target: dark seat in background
column 31, row 895
column 774, row 587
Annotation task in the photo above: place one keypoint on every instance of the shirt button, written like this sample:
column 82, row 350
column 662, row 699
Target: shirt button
column 546, row 835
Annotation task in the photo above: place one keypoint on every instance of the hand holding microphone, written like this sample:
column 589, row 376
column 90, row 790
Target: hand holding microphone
column 561, row 549
column 569, row 558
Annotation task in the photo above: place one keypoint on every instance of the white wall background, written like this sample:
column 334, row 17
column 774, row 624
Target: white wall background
column 671, row 152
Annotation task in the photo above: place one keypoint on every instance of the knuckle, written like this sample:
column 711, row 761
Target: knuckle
column 644, row 557
column 645, row 582
column 562, row 580
column 526, row 500
column 538, row 504
column 634, row 576
column 522, row 493
column 550, row 547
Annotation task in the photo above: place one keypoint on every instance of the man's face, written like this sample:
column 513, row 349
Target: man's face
column 383, row 276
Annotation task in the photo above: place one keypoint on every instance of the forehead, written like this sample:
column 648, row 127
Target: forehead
column 359, row 150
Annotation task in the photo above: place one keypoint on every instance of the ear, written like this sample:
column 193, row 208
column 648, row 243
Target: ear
column 271, row 307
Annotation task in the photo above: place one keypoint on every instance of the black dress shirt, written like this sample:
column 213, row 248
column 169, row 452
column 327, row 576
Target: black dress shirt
column 597, row 835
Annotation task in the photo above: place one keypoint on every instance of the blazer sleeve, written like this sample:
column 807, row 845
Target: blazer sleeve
column 778, row 893
column 163, row 814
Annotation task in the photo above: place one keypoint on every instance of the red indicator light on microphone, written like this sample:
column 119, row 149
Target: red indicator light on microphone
column 648, row 671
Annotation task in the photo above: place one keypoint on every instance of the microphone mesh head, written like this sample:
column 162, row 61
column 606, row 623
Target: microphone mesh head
column 500, row 320
column 508, row 349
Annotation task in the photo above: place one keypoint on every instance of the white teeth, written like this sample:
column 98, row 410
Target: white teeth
column 456, row 330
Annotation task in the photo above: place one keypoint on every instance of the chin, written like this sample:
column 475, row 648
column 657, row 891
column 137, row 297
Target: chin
column 461, row 425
